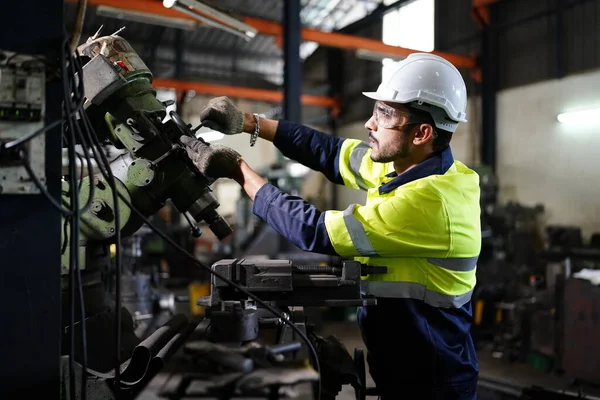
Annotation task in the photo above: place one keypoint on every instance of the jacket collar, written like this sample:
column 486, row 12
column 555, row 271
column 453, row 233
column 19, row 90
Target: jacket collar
column 437, row 164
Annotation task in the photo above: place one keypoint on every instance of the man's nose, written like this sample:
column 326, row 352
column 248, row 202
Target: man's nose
column 371, row 124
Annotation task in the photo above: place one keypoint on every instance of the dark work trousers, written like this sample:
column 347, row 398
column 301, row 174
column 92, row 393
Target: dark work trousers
column 403, row 357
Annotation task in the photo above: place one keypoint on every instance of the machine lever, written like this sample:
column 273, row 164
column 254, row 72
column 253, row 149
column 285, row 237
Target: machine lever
column 195, row 229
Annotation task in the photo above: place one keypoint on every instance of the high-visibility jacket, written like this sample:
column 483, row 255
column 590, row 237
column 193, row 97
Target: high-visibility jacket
column 423, row 225
column 426, row 231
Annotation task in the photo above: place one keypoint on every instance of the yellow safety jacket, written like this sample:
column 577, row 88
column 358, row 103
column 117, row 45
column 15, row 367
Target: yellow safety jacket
column 426, row 231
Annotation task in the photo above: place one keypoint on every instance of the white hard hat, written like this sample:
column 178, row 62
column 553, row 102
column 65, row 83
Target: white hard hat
column 427, row 80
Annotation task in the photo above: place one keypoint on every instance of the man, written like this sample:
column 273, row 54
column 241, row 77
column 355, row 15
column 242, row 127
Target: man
column 421, row 220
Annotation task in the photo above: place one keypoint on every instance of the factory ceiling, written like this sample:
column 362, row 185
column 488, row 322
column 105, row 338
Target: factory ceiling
column 214, row 56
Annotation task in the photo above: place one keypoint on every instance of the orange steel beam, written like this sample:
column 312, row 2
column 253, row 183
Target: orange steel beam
column 343, row 41
column 479, row 11
column 327, row 39
column 273, row 96
column 484, row 3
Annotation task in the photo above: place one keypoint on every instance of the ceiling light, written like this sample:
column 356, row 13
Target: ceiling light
column 580, row 117
column 209, row 16
column 377, row 56
column 146, row 18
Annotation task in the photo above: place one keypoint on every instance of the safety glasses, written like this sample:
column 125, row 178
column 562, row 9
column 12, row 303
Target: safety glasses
column 390, row 118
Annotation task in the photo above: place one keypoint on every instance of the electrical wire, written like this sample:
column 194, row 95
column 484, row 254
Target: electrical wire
column 66, row 61
column 25, row 139
column 108, row 175
column 73, row 101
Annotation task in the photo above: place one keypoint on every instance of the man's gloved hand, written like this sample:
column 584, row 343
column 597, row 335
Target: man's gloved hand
column 213, row 160
column 222, row 115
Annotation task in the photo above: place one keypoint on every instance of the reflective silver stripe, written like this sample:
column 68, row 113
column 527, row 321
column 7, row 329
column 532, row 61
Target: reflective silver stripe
column 412, row 290
column 357, row 233
column 356, row 157
column 455, row 264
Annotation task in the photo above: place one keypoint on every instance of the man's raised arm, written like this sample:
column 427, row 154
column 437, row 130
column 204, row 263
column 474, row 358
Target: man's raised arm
column 314, row 149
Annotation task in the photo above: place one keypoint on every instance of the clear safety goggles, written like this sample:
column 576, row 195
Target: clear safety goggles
column 390, row 118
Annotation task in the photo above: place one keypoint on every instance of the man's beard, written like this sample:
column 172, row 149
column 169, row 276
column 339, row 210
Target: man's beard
column 388, row 155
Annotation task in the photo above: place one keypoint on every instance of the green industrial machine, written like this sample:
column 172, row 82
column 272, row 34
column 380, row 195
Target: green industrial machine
column 152, row 167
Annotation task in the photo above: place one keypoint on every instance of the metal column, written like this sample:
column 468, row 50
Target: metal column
column 335, row 76
column 292, row 71
column 560, row 39
column 30, row 229
column 179, row 66
column 489, row 89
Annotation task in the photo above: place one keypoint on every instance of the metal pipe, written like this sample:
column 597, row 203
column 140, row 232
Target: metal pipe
column 272, row 96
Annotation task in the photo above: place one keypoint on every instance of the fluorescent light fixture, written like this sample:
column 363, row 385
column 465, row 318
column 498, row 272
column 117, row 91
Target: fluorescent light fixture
column 377, row 56
column 146, row 18
column 580, row 117
column 209, row 16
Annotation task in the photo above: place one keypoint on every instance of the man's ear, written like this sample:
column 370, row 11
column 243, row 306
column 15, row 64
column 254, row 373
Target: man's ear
column 423, row 134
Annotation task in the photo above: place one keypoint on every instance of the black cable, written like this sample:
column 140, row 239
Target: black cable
column 40, row 185
column 66, row 235
column 74, row 197
column 107, row 173
column 73, row 101
column 24, row 139
column 80, row 158
column 77, row 69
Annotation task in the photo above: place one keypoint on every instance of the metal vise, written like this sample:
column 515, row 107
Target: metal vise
column 287, row 285
column 233, row 318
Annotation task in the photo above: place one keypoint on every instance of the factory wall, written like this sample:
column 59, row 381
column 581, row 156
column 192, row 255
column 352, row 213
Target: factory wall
column 537, row 39
column 543, row 161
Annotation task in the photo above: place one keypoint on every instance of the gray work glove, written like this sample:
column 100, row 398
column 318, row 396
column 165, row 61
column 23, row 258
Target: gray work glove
column 220, row 114
column 213, row 160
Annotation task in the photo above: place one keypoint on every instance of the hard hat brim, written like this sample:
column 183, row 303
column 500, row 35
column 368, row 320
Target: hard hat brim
column 379, row 97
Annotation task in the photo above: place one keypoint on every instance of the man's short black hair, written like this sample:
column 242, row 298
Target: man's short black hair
column 441, row 138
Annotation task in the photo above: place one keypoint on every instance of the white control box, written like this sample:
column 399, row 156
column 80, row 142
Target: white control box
column 22, row 109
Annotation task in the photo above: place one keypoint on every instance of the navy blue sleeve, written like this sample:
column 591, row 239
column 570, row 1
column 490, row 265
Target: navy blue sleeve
column 316, row 150
column 294, row 219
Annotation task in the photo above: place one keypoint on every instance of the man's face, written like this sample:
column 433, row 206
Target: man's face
column 390, row 132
